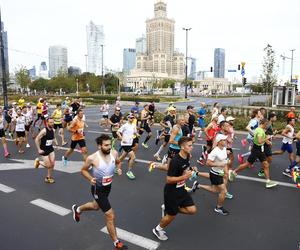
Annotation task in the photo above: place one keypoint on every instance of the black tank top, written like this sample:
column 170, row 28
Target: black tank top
column 47, row 140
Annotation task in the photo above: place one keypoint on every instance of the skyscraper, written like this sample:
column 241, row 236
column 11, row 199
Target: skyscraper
column 43, row 70
column 160, row 56
column 58, row 60
column 5, row 44
column 32, row 73
column 141, row 45
column 129, row 56
column 219, row 63
column 95, row 39
column 192, row 69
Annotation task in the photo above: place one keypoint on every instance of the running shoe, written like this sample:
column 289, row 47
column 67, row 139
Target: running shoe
column 296, row 174
column 232, row 175
column 130, row 175
column 49, row 180
column 64, row 161
column 229, row 196
column 221, row 210
column 287, row 172
column 270, row 184
column 120, row 246
column 152, row 165
column 195, row 186
column 6, row 155
column 157, row 157
column 145, row 145
column 187, row 188
column 76, row 215
column 240, row 159
column 27, row 145
column 201, row 161
column 165, row 159
column 244, row 142
column 161, row 235
column 36, row 163
column 261, row 173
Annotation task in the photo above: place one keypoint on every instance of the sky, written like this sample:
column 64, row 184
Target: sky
column 242, row 28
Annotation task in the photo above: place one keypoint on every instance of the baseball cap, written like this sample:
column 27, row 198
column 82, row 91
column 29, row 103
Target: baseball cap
column 220, row 137
column 130, row 116
column 230, row 118
column 171, row 108
column 190, row 107
column 118, row 109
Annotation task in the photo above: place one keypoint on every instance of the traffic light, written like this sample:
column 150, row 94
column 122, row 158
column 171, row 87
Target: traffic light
column 211, row 69
column 239, row 67
column 244, row 81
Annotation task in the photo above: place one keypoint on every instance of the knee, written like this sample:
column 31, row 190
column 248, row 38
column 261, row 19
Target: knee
column 193, row 210
column 110, row 215
column 96, row 207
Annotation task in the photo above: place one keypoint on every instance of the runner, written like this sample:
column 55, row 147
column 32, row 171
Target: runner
column 44, row 144
column 257, row 152
column 20, row 130
column 151, row 113
column 105, row 110
column 68, row 118
column 21, row 103
column 115, row 121
column 176, row 198
column 126, row 134
column 218, row 161
column 252, row 125
column 39, row 112
column 75, row 107
column 118, row 102
column 9, row 123
column 45, row 110
column 291, row 114
column 167, row 124
column 174, row 147
column 2, row 134
column 76, row 128
column 191, row 120
column 201, row 122
column 222, row 116
column 268, row 148
column 215, row 110
column 287, row 145
column 103, row 164
column 58, row 117
column 145, row 121
column 28, row 122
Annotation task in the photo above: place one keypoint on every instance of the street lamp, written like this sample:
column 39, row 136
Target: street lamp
column 102, row 71
column 186, row 59
column 77, row 87
column 292, row 64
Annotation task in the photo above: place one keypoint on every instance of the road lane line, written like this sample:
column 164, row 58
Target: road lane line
column 51, row 207
column 6, row 189
column 134, row 239
column 280, row 183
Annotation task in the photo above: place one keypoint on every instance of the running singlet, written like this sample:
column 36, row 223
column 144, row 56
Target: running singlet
column 212, row 132
column 290, row 134
column 20, row 124
column 177, row 138
column 104, row 171
column 1, row 123
column 77, row 129
column 47, row 141
column 39, row 107
column 57, row 115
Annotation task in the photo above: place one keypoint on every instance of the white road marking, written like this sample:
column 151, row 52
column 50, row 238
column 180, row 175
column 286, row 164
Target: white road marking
column 202, row 144
column 280, row 183
column 51, row 207
column 135, row 239
column 6, row 189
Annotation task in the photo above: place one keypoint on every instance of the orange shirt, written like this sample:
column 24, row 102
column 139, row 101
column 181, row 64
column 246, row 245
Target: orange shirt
column 291, row 115
column 76, row 128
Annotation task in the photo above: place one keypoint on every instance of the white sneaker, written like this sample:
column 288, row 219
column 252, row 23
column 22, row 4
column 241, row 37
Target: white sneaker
column 27, row 145
column 165, row 159
column 161, row 235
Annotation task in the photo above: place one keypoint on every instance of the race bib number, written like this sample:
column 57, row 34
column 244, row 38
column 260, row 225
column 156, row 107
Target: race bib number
column 80, row 131
column 49, row 142
column 107, row 180
column 20, row 127
column 180, row 184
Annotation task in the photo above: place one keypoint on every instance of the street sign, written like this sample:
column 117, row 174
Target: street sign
column 232, row 70
column 242, row 72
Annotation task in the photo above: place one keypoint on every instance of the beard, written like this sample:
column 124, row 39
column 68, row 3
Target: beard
column 106, row 152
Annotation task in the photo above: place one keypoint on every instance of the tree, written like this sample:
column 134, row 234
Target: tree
column 269, row 76
column 22, row 77
column 169, row 83
column 39, row 84
column 111, row 83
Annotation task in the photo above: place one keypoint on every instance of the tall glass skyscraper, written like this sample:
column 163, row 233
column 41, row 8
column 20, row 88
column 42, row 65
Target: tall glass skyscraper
column 129, row 56
column 58, row 60
column 5, row 43
column 192, row 69
column 219, row 63
column 141, row 45
column 95, row 38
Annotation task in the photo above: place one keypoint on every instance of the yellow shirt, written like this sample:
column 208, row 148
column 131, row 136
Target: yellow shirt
column 57, row 115
column 21, row 103
column 39, row 107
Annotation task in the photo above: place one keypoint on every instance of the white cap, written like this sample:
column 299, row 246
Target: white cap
column 230, row 118
column 220, row 137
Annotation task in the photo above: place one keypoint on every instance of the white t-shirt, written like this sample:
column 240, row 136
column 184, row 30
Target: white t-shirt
column 105, row 109
column 127, row 130
column 1, row 122
column 20, row 124
column 218, row 155
column 28, row 118
column 290, row 134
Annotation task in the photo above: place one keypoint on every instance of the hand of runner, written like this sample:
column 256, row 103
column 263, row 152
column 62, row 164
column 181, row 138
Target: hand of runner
column 41, row 151
column 93, row 181
column 188, row 174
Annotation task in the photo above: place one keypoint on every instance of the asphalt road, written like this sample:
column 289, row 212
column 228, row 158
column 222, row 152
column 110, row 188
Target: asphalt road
column 259, row 218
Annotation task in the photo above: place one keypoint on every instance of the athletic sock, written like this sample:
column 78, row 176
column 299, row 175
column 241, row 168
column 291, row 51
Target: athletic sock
column 159, row 150
column 159, row 228
column 116, row 242
column 78, row 210
column 293, row 164
column 147, row 139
